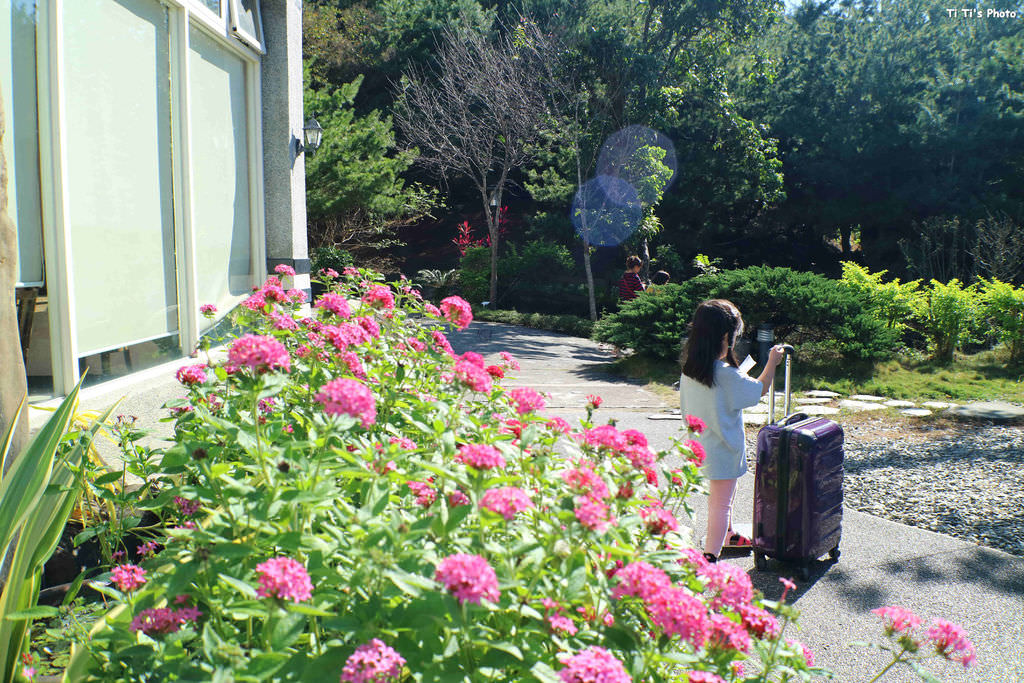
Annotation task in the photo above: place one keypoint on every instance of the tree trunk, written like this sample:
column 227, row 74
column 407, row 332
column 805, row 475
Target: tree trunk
column 845, row 232
column 590, row 278
column 13, row 385
column 645, row 260
column 492, row 226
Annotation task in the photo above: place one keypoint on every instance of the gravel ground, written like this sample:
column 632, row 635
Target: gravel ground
column 965, row 481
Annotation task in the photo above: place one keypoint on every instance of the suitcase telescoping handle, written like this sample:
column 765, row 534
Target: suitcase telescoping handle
column 789, row 353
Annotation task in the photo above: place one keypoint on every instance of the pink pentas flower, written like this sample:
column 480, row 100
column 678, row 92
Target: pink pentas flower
column 28, row 672
column 726, row 634
column 703, row 677
column 526, row 400
column 658, row 520
column 187, row 507
column 255, row 302
column 329, row 272
column 431, row 309
column 678, row 613
column 281, row 321
column 297, row 296
column 424, row 492
column 592, row 513
column 474, row 358
column 283, row 269
column 509, row 360
column 594, row 401
column 258, row 353
column 354, row 365
column 897, row 619
column 379, row 296
column 457, row 498
column 698, row 455
column 403, row 442
column 128, row 577
column 441, row 343
column 348, row 397
column 797, row 645
column 148, row 549
column 469, row 578
column 695, row 424
column 334, row 303
column 208, row 310
column 373, row 662
column 583, row 479
column 344, row 335
column 730, row 583
column 605, row 436
column 191, row 374
column 162, row 620
column 759, row 622
column 506, row 501
column 415, row 344
column 495, row 371
column 284, row 578
column 562, row 624
column 350, row 271
column 457, row 311
column 639, row 580
column 480, row 456
column 634, row 438
column 951, row 642
column 472, row 376
column 369, row 325
column 559, row 425
column 593, row 665
column 641, row 457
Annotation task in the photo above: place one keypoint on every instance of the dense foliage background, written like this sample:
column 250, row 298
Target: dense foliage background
column 886, row 133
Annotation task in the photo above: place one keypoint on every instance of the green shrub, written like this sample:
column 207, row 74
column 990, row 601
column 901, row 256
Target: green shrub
column 566, row 324
column 525, row 274
column 804, row 307
column 891, row 302
column 332, row 257
column 947, row 313
column 1003, row 306
column 475, row 274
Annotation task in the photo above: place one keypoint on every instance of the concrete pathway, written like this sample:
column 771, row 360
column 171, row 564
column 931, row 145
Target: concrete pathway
column 882, row 563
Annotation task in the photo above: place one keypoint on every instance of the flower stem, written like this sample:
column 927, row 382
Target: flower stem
column 895, row 660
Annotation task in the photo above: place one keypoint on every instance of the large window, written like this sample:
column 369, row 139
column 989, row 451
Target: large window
column 220, row 175
column 118, row 181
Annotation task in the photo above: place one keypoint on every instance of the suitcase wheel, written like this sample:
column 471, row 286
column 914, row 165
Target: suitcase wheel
column 760, row 561
column 834, row 553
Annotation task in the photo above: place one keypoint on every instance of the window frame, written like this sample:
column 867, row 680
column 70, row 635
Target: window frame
column 254, row 42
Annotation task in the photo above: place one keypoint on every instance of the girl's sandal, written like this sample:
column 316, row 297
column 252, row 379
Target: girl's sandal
column 737, row 541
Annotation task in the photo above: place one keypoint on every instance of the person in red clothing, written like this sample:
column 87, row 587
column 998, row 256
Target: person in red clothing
column 631, row 285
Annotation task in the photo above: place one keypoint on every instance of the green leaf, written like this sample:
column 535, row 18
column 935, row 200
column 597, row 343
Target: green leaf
column 287, row 630
column 308, row 610
column 108, row 478
column 238, row 585
column 263, row 666
column 37, row 612
column 544, row 673
column 508, row 647
column 923, row 673
column 576, row 582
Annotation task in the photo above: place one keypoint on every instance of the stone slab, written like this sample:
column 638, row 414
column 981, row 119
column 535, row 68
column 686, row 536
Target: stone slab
column 664, row 416
column 821, row 393
column 811, row 401
column 996, row 411
column 866, row 397
column 819, row 410
column 900, row 404
column 916, row 412
column 938, row 405
column 860, row 406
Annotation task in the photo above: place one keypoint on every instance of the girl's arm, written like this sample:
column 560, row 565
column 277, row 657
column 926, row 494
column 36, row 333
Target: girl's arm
column 767, row 376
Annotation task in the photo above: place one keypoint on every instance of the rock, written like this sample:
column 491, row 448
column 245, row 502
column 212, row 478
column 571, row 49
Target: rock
column 819, row 410
column 866, row 397
column 916, row 412
column 938, row 405
column 996, row 411
column 754, row 418
column 900, row 404
column 808, row 401
column 859, row 406
column 821, row 393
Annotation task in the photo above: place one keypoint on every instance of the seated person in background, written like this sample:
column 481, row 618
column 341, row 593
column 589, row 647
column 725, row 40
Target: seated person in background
column 631, row 285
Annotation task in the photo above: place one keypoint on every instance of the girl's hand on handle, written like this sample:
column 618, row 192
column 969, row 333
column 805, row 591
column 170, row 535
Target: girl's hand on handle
column 776, row 355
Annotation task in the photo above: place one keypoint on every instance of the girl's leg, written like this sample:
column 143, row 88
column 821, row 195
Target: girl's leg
column 719, row 513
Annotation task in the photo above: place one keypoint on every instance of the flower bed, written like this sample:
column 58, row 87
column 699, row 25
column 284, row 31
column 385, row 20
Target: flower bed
column 353, row 502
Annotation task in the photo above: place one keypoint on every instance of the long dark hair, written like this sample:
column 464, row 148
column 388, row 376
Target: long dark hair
column 713, row 319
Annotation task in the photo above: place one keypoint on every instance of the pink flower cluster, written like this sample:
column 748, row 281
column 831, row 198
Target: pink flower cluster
column 284, row 578
column 158, row 620
column 703, row 677
column 593, row 401
column 208, row 310
column 259, row 353
column 128, row 577
column 284, row 269
column 441, row 343
column 373, row 662
column 480, row 456
column 659, row 521
column 593, row 665
column 457, row 311
column 526, row 400
column 469, row 578
column 508, row 360
column 584, row 480
column 949, row 640
column 457, row 498
column 346, row 334
column 348, row 397
column 562, row 624
column 698, row 455
column 506, row 501
column 424, row 492
column 592, row 513
column 897, row 619
column 187, row 507
column 334, row 303
column 695, row 424
column 730, row 584
column 191, row 374
column 474, row 376
column 379, row 296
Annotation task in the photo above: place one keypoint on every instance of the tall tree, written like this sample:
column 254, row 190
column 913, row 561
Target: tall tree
column 13, row 385
column 474, row 115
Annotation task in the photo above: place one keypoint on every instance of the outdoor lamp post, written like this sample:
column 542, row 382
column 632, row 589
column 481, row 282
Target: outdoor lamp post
column 312, row 133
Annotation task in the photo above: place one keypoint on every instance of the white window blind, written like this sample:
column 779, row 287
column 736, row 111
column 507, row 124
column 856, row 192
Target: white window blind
column 20, row 143
column 220, row 173
column 118, row 148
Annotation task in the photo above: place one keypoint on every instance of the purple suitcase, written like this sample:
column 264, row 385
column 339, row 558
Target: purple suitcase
column 798, row 488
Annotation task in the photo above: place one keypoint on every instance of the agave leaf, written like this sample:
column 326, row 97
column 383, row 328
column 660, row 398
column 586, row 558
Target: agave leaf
column 9, row 437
